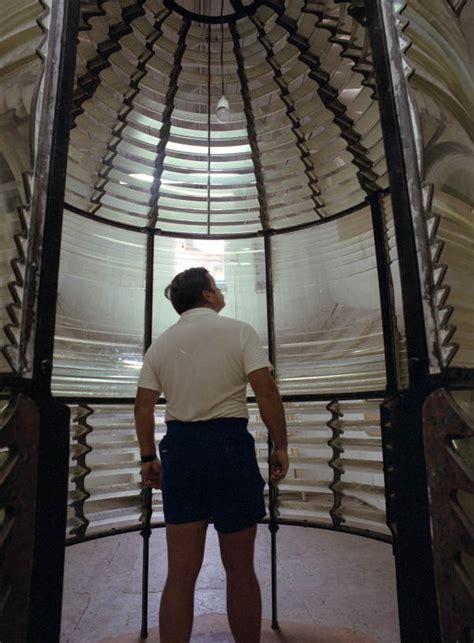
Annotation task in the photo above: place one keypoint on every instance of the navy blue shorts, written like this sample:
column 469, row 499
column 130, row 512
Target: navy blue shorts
column 209, row 471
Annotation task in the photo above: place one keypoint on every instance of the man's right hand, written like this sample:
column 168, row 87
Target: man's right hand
column 151, row 474
column 279, row 464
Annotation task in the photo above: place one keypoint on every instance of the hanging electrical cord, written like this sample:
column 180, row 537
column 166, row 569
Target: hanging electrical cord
column 209, row 128
column 222, row 49
column 222, row 109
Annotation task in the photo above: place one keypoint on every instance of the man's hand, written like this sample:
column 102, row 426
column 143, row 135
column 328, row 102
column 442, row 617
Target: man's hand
column 279, row 464
column 151, row 474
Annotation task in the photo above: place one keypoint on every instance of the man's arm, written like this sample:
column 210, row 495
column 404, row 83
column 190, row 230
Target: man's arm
column 145, row 419
column 272, row 412
column 270, row 405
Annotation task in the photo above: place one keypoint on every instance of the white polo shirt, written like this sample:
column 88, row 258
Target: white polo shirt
column 201, row 363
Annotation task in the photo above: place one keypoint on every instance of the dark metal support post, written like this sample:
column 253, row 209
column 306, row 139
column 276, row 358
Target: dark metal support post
column 387, row 303
column 48, row 190
column 145, row 533
column 44, row 252
column 273, row 495
column 383, row 46
column 270, row 304
column 402, row 430
column 150, row 258
column 408, row 517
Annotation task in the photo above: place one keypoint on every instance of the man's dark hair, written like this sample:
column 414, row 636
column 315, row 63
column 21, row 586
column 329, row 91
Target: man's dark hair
column 185, row 291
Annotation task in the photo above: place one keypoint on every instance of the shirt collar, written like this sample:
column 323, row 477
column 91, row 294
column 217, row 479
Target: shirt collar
column 198, row 312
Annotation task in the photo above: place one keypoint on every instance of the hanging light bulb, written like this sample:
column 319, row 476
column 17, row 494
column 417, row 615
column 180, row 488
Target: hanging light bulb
column 223, row 110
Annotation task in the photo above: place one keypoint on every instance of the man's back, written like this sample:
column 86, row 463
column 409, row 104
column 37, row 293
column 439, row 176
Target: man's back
column 201, row 365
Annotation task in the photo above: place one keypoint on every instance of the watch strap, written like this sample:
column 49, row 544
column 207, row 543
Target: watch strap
column 148, row 458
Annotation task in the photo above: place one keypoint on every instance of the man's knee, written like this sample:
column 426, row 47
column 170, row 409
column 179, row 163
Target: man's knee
column 182, row 579
column 237, row 551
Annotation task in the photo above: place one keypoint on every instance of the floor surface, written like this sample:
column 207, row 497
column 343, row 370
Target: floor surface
column 332, row 587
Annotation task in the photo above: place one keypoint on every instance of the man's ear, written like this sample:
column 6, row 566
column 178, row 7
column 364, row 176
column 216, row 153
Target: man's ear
column 207, row 295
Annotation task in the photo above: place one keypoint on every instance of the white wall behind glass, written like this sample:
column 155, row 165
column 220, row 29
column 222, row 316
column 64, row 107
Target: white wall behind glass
column 237, row 265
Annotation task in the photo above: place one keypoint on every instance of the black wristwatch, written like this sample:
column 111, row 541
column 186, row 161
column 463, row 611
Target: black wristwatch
column 148, row 458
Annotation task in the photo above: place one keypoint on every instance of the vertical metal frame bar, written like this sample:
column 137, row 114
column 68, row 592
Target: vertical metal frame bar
column 149, row 281
column 387, row 303
column 147, row 494
column 209, row 128
column 404, row 182
column 404, row 462
column 269, row 296
column 44, row 618
column 272, row 526
column 48, row 188
column 408, row 517
column 19, row 436
column 145, row 533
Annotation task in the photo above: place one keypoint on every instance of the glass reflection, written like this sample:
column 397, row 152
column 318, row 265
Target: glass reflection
column 328, row 323
column 99, row 321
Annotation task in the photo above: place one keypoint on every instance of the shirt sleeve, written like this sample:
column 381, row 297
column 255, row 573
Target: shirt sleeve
column 148, row 375
column 254, row 356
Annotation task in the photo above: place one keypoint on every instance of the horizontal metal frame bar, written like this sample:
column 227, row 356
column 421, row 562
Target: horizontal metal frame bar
column 15, row 381
column 455, row 378
column 201, row 18
column 306, row 397
column 353, row 531
column 242, row 235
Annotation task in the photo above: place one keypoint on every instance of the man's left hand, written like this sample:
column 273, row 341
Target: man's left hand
column 151, row 474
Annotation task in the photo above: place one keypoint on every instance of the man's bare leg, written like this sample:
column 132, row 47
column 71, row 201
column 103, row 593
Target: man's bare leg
column 185, row 555
column 244, row 600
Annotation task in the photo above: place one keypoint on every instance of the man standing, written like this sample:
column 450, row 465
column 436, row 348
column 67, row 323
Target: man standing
column 208, row 469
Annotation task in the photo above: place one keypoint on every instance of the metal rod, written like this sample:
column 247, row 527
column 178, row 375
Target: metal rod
column 48, row 194
column 222, row 49
column 387, row 303
column 147, row 492
column 209, row 128
column 402, row 424
column 273, row 494
column 145, row 533
column 203, row 18
column 54, row 106
column 273, row 528
column 270, row 303
column 383, row 59
column 149, row 278
column 307, row 397
column 237, row 235
column 308, row 524
column 455, row 378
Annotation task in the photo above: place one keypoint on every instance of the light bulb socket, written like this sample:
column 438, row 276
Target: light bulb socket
column 223, row 110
